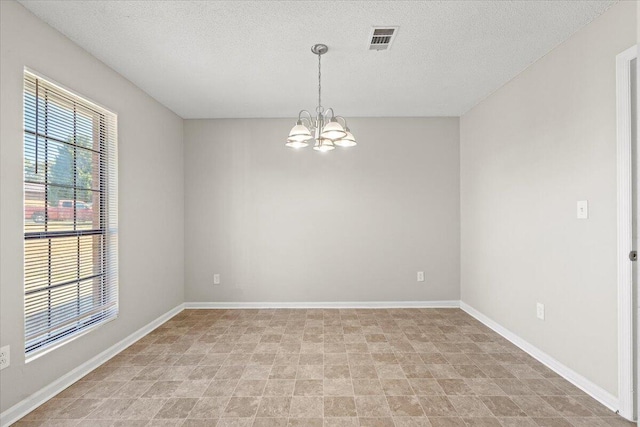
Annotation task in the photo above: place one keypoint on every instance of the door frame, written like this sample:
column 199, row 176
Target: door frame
column 626, row 302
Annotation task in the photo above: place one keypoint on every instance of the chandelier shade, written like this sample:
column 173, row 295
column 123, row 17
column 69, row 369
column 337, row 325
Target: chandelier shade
column 346, row 141
column 299, row 133
column 333, row 130
column 324, row 130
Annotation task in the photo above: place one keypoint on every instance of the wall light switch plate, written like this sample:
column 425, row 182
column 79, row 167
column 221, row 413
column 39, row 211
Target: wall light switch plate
column 420, row 276
column 583, row 209
column 5, row 357
column 540, row 311
column 216, row 279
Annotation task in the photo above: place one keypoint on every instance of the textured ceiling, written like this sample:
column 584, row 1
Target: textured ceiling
column 251, row 58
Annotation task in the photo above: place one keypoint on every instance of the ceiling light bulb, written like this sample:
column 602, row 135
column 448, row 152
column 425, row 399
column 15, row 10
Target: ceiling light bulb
column 324, row 145
column 296, row 144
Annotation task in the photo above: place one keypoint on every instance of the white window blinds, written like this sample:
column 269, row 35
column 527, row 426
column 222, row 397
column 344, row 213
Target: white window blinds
column 70, row 214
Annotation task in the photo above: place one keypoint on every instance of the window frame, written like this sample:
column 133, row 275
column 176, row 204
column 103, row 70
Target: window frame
column 104, row 308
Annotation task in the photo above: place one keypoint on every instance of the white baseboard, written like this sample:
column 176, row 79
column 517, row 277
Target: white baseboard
column 353, row 304
column 595, row 391
column 22, row 408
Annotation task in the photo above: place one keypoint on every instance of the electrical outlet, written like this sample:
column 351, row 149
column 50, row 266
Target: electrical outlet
column 540, row 311
column 216, row 279
column 5, row 357
column 420, row 276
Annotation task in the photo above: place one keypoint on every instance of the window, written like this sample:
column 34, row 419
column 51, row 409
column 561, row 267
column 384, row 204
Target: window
column 70, row 215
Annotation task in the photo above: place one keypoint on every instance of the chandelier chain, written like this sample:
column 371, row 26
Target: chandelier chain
column 319, row 109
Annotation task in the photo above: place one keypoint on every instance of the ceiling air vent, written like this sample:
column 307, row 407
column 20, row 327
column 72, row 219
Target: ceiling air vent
column 382, row 37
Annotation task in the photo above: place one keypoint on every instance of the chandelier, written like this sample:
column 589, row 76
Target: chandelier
column 325, row 130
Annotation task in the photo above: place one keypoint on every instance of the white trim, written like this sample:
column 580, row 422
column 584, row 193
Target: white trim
column 68, row 90
column 595, row 391
column 356, row 304
column 625, row 243
column 61, row 343
column 22, row 408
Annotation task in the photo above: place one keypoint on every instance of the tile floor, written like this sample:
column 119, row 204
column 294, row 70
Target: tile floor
column 400, row 367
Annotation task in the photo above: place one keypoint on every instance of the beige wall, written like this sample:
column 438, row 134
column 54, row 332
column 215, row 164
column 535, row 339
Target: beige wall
column 287, row 226
column 151, row 198
column 281, row 225
column 528, row 152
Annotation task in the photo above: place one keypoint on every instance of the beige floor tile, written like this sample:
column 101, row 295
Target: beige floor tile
column 587, row 422
column 221, row 388
column 447, row 422
column 306, row 407
column 367, row 387
column 305, row 422
column 209, row 407
column 308, row 388
column 132, row 389
column 437, row 406
column 339, row 406
column 79, row 409
column 250, row 388
column 372, row 406
column 191, row 388
column 104, row 390
column 192, row 422
column 176, row 408
column 552, row 422
column 241, row 407
column 390, row 371
column 397, row 387
column 364, row 367
column 341, row 422
column 111, row 409
column 469, row 406
column 310, row 372
column 425, row 386
column 502, row 406
column 143, row 409
column 481, row 422
column 363, row 372
column 274, row 406
column 334, row 372
column 77, row 390
column 235, row 422
column 405, row 406
column 338, row 387
column 534, row 406
column 567, row 406
column 279, row 387
column 455, row 387
column 162, row 389
column 376, row 422
column 270, row 422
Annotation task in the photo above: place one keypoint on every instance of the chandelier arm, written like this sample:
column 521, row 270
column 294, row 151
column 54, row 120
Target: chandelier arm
column 324, row 114
column 343, row 119
column 308, row 121
column 302, row 112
